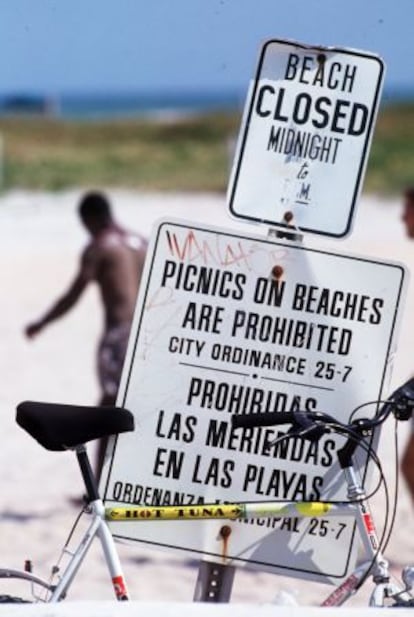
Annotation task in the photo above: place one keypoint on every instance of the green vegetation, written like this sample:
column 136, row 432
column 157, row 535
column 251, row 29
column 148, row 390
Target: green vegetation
column 184, row 155
column 190, row 154
column 391, row 162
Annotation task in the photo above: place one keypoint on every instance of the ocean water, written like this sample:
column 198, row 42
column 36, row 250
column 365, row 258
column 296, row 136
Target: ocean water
column 109, row 106
column 90, row 106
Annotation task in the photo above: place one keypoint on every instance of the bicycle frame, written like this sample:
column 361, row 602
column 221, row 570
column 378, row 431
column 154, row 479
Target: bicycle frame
column 375, row 565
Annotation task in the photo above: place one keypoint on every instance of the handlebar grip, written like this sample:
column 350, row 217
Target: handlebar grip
column 270, row 418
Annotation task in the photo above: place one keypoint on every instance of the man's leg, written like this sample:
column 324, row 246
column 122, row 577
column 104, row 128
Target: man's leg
column 407, row 464
column 100, row 457
column 105, row 401
column 111, row 354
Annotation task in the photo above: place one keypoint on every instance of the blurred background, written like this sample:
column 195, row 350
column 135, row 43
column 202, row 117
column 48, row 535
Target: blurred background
column 144, row 99
column 133, row 94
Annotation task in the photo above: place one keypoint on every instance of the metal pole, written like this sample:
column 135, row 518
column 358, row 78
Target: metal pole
column 214, row 582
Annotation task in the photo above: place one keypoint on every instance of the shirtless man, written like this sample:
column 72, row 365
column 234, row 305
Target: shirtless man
column 407, row 463
column 114, row 259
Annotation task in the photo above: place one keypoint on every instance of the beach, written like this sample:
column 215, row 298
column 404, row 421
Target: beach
column 41, row 240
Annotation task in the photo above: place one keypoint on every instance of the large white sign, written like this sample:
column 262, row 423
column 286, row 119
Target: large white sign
column 230, row 324
column 305, row 138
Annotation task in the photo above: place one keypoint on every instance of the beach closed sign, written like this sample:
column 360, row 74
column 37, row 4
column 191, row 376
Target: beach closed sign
column 305, row 137
column 236, row 324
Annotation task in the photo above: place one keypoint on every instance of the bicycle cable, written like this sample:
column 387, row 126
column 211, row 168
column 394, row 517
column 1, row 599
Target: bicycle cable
column 387, row 524
column 391, row 522
column 396, row 483
column 56, row 568
column 382, row 482
column 376, row 402
column 353, row 436
column 335, row 427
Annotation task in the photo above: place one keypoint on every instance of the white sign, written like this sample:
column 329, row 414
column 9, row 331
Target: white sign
column 230, row 324
column 305, row 138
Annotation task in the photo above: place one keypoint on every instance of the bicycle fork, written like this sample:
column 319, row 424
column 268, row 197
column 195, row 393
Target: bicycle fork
column 379, row 565
column 375, row 565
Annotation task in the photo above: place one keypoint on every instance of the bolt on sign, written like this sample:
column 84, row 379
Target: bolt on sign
column 305, row 137
column 233, row 324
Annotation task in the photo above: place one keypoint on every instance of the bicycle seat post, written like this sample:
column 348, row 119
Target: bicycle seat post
column 88, row 476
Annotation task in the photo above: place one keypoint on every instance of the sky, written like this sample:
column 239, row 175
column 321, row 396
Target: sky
column 63, row 46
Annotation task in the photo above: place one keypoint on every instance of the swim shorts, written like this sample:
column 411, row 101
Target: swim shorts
column 111, row 355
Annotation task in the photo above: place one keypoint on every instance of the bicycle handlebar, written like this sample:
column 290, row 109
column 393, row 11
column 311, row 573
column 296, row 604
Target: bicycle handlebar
column 269, row 418
column 314, row 424
column 309, row 425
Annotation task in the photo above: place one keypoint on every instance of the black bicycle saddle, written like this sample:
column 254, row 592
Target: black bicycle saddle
column 62, row 427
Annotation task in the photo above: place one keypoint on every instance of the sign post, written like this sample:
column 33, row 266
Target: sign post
column 305, row 139
column 229, row 323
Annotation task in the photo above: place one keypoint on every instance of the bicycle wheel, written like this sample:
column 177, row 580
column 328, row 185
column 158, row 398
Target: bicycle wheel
column 36, row 584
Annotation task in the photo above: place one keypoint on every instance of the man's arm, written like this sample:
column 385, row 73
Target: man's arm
column 69, row 299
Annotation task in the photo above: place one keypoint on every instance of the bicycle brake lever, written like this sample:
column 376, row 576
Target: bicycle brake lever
column 304, row 427
column 307, row 428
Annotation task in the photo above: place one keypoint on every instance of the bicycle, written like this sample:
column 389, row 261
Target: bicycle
column 61, row 427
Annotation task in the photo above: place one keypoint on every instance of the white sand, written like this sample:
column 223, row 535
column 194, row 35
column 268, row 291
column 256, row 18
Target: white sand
column 40, row 243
